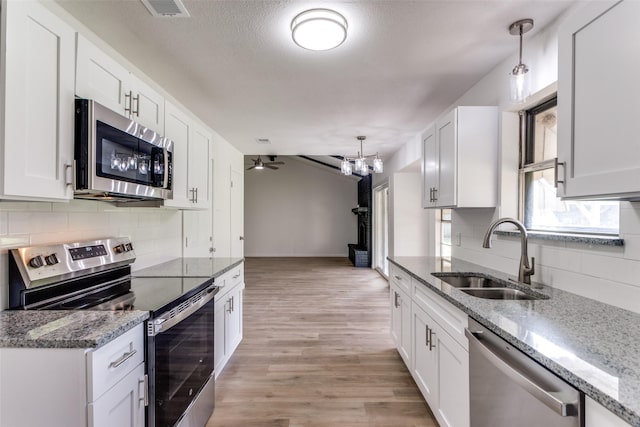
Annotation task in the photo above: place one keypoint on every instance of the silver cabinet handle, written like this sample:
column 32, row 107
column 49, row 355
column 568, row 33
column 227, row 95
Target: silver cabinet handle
column 144, row 395
column 241, row 237
column 236, row 276
column 435, row 194
column 398, row 277
column 426, row 336
column 196, row 195
column 137, row 109
column 120, row 360
column 396, row 299
column 552, row 401
column 431, row 344
column 68, row 176
column 556, row 181
column 127, row 108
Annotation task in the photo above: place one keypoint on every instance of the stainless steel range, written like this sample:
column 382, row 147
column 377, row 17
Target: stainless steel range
column 96, row 275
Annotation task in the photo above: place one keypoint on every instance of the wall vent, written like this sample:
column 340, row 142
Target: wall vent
column 263, row 141
column 166, row 8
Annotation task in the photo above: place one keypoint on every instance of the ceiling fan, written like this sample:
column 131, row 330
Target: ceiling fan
column 258, row 164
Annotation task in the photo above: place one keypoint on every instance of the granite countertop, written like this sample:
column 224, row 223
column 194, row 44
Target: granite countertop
column 591, row 345
column 65, row 329
column 190, row 267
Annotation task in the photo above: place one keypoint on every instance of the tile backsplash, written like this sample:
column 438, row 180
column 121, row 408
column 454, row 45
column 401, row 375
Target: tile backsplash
column 155, row 232
column 604, row 273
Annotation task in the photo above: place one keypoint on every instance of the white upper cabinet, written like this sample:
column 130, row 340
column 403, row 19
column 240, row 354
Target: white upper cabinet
column 37, row 133
column 460, row 159
column 190, row 159
column 598, row 102
column 101, row 78
column 199, row 152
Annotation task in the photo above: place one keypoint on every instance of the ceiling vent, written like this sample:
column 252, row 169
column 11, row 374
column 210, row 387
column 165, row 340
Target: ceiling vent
column 166, row 8
column 263, row 141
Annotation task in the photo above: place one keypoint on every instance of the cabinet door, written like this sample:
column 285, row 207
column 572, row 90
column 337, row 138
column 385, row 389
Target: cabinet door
column 199, row 167
column 453, row 384
column 237, row 213
column 177, row 127
column 39, row 102
column 123, row 405
column 429, row 168
column 401, row 323
column 596, row 415
column 447, row 157
column 100, row 77
column 147, row 105
column 425, row 362
column 233, row 322
column 220, row 337
column 597, row 101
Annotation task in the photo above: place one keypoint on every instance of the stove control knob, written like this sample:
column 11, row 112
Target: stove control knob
column 36, row 262
column 119, row 249
column 51, row 259
column 128, row 247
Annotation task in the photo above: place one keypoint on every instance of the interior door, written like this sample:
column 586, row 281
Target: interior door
column 237, row 217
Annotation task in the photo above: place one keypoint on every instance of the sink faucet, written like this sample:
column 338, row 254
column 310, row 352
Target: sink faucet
column 525, row 271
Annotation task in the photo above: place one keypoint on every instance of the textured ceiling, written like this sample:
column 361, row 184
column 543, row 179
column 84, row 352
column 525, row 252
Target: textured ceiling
column 233, row 63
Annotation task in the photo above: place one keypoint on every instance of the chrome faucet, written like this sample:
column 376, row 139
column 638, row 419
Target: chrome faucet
column 525, row 271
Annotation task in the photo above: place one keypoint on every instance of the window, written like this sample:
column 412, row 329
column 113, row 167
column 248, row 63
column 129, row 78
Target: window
column 541, row 210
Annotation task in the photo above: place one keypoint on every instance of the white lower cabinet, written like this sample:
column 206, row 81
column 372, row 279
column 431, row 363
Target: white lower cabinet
column 401, row 322
column 123, row 404
column 441, row 370
column 228, row 317
column 596, row 415
column 435, row 351
column 75, row 387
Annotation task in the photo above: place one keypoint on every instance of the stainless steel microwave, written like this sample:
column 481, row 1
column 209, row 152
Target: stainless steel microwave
column 117, row 159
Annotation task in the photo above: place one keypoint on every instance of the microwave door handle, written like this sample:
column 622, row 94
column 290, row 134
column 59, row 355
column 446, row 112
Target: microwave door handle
column 165, row 181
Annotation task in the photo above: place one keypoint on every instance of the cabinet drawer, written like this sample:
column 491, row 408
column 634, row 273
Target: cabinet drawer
column 109, row 364
column 400, row 278
column 450, row 318
column 229, row 280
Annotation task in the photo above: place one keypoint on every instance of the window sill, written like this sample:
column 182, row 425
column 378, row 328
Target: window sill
column 572, row 238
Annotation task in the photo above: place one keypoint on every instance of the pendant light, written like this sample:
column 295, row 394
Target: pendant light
column 520, row 77
column 360, row 162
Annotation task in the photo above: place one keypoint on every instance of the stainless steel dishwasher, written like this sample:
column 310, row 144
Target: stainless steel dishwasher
column 508, row 389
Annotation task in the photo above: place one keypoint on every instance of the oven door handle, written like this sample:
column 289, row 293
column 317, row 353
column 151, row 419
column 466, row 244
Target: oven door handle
column 549, row 398
column 171, row 318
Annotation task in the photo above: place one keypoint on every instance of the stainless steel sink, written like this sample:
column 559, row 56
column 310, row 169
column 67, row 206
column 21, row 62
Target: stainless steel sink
column 470, row 280
column 498, row 293
column 484, row 286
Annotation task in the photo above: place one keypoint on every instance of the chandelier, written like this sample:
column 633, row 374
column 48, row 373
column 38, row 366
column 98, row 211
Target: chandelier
column 360, row 162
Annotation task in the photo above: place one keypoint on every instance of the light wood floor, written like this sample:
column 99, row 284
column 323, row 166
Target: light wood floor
column 316, row 351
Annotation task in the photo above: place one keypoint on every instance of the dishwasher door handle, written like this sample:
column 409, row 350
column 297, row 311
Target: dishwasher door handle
column 565, row 409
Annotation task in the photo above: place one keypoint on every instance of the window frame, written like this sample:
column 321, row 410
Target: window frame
column 527, row 166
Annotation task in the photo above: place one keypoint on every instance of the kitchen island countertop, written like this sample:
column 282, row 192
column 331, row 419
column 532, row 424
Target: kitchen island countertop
column 65, row 328
column 591, row 345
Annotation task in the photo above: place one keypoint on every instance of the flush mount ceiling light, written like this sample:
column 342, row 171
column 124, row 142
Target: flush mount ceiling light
column 520, row 77
column 360, row 162
column 319, row 29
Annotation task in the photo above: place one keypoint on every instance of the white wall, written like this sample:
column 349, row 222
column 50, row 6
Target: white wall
column 603, row 273
column 155, row 232
column 409, row 231
column 299, row 210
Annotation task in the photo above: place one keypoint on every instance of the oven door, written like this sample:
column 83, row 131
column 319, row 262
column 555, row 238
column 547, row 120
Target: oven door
column 180, row 359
